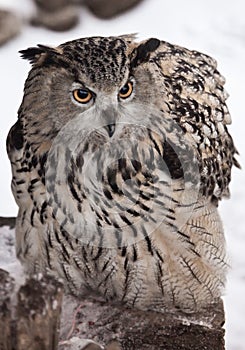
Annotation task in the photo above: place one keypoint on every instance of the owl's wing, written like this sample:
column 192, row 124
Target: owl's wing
column 15, row 138
column 15, row 149
column 194, row 91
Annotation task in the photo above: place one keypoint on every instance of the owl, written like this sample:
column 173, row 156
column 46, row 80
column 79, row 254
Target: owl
column 120, row 156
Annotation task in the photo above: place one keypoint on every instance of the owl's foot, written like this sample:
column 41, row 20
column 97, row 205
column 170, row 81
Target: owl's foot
column 76, row 343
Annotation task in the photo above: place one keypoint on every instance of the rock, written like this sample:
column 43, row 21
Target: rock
column 7, row 221
column 10, row 26
column 30, row 313
column 110, row 8
column 57, row 15
column 134, row 329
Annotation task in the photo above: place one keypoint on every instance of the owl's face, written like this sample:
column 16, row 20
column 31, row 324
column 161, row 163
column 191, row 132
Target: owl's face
column 102, row 82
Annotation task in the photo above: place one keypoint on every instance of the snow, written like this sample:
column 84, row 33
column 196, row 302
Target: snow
column 7, row 249
column 214, row 27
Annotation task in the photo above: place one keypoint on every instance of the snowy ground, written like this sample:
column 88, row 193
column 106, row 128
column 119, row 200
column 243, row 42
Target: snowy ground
column 216, row 27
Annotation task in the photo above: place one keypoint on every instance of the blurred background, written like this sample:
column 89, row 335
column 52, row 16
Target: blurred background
column 213, row 27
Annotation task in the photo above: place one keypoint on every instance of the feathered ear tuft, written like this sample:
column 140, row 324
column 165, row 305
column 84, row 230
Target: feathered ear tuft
column 129, row 37
column 142, row 52
column 37, row 54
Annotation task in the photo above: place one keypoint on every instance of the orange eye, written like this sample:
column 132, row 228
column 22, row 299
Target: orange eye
column 82, row 95
column 126, row 90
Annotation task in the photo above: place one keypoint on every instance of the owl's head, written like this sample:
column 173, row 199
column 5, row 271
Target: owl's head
column 103, row 80
column 101, row 110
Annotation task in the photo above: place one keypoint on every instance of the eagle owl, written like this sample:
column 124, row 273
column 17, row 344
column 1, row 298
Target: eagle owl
column 119, row 157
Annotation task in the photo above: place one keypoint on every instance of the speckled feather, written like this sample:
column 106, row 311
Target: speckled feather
column 130, row 215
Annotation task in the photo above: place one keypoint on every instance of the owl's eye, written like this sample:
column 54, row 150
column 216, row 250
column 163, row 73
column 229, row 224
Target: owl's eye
column 126, row 90
column 82, row 95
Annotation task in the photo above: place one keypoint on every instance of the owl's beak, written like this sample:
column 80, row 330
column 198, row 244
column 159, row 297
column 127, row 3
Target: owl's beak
column 110, row 128
column 108, row 116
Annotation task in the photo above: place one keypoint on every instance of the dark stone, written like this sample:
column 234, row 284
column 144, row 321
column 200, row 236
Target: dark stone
column 10, row 26
column 109, row 8
column 7, row 221
column 147, row 330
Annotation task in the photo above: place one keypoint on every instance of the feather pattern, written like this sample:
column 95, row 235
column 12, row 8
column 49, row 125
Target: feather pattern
column 120, row 155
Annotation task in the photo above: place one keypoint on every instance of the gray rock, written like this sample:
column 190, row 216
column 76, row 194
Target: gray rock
column 109, row 8
column 10, row 26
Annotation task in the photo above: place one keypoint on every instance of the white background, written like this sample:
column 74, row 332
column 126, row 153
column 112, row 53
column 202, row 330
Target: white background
column 215, row 27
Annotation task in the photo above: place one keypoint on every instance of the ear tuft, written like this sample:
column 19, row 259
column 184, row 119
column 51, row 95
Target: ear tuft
column 142, row 52
column 34, row 54
column 129, row 37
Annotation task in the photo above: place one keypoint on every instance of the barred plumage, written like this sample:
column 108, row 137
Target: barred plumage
column 119, row 158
